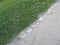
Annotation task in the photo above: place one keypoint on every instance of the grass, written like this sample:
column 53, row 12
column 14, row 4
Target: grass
column 17, row 15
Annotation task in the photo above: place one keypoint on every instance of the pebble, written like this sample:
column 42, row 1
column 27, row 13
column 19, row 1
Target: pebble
column 29, row 30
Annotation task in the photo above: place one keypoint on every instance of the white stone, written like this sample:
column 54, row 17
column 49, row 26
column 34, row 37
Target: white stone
column 33, row 26
column 41, row 18
column 29, row 30
column 49, row 10
column 23, row 36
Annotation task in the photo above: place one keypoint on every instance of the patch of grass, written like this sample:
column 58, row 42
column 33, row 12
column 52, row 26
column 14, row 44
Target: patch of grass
column 15, row 15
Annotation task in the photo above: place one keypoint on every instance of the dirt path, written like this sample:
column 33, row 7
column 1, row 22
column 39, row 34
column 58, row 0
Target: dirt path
column 46, row 32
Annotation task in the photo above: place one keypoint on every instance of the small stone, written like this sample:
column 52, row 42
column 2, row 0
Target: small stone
column 41, row 18
column 23, row 36
column 33, row 26
column 29, row 30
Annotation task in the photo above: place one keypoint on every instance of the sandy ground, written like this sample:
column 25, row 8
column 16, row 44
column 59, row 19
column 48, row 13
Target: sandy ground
column 45, row 32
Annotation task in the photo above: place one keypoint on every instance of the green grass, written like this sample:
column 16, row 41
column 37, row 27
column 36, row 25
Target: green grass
column 15, row 15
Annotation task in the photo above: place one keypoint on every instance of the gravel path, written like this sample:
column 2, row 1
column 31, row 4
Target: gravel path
column 46, row 32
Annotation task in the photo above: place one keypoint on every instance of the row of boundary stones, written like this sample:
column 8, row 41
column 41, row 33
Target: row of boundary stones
column 30, row 28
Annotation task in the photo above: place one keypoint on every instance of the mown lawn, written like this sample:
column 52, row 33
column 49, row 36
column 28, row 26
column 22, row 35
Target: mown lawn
column 15, row 15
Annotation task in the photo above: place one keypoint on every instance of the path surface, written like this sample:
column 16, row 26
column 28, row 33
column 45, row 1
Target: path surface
column 46, row 32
